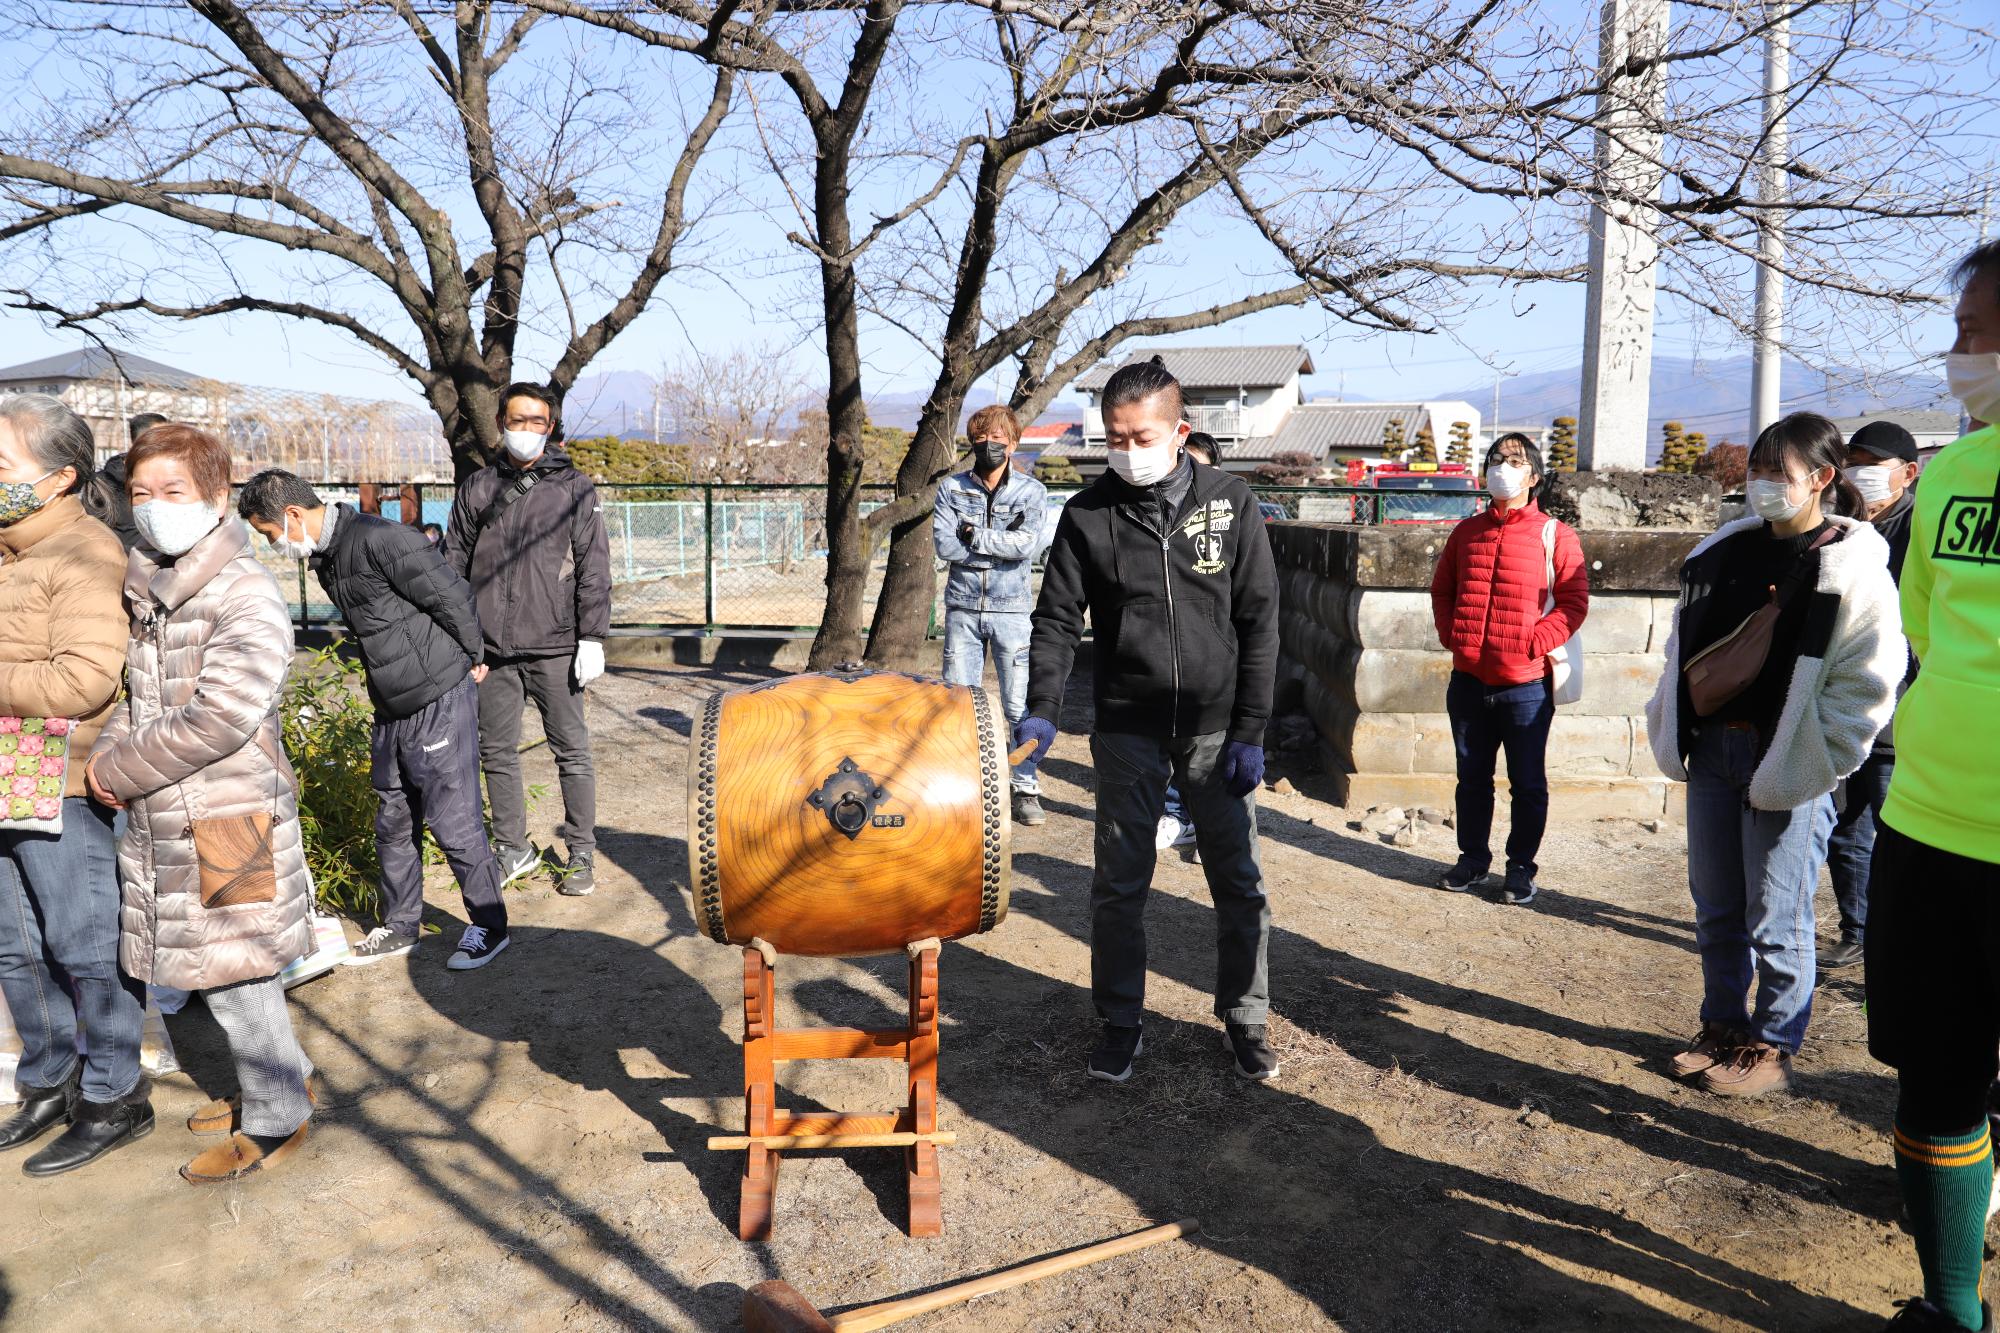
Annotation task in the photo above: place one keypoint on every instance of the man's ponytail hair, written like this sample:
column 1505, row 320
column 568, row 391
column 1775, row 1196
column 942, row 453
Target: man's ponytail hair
column 1140, row 381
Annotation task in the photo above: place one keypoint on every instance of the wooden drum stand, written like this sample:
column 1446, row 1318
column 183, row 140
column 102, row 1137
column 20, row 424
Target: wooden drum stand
column 771, row 1131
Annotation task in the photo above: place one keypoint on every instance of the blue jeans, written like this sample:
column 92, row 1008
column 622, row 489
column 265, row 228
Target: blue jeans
column 1174, row 806
column 1852, row 846
column 59, row 924
column 1132, row 777
column 1484, row 720
column 1752, row 874
column 966, row 636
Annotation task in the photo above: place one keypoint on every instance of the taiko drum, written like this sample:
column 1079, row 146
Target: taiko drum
column 848, row 813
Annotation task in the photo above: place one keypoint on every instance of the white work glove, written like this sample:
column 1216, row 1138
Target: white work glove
column 589, row 661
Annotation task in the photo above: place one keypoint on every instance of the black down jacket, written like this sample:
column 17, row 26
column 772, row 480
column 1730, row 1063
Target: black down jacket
column 409, row 613
column 541, row 572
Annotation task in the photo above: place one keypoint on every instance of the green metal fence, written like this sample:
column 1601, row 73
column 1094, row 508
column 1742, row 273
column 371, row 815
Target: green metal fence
column 754, row 557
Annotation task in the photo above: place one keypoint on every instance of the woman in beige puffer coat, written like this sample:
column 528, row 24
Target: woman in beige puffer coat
column 196, row 755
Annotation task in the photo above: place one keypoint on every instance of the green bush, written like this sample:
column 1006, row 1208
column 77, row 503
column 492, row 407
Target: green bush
column 327, row 718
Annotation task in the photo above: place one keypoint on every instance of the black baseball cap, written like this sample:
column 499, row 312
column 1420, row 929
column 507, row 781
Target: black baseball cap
column 1885, row 439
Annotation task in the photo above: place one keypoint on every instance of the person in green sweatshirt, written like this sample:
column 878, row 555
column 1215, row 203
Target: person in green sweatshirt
column 1932, row 948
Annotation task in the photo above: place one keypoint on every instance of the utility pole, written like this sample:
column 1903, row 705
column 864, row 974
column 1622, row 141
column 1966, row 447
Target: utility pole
column 1618, row 320
column 1767, row 344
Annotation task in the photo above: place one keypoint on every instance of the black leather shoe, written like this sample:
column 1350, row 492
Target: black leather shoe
column 42, row 1109
column 95, row 1129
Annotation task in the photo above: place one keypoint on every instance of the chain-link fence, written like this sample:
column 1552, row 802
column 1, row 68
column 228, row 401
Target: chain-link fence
column 754, row 557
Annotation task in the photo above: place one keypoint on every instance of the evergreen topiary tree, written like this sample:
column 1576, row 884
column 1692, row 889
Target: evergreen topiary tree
column 1056, row 470
column 1427, row 449
column 1696, row 449
column 1562, row 444
column 1461, row 444
column 1394, row 442
column 1673, row 448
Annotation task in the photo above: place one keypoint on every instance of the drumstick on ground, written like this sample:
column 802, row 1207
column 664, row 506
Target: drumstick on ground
column 777, row 1307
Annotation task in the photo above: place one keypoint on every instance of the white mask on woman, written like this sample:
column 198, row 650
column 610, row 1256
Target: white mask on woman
column 1507, row 480
column 1145, row 467
column 1974, row 378
column 1772, row 500
column 172, row 527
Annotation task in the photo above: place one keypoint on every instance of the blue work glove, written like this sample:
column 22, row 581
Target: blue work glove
column 1037, row 729
column 1242, row 768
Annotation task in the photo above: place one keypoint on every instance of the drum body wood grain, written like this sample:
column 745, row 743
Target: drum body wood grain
column 848, row 813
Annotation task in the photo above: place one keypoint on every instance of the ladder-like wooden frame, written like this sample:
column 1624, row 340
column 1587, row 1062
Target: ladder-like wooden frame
column 770, row 1131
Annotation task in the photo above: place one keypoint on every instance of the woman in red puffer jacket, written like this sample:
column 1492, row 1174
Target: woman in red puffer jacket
column 1491, row 596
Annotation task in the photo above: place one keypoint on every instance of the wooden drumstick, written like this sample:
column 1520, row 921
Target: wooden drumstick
column 1020, row 752
column 775, row 1307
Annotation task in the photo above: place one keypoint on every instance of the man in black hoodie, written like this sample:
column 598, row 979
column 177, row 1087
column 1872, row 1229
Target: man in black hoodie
column 528, row 535
column 1170, row 560
column 413, row 621
column 1882, row 464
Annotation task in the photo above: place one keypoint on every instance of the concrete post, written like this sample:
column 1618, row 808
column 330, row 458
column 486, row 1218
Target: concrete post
column 1618, row 323
column 1767, row 346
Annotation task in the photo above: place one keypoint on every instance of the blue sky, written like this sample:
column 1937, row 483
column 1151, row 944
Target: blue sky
column 747, row 298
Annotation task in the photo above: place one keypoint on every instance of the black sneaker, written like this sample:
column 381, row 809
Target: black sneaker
column 578, row 879
column 1519, row 889
column 1255, row 1060
column 516, row 862
column 1923, row 1317
column 1461, row 877
column 476, row 948
column 382, row 942
column 1116, row 1049
column 1845, row 952
column 1028, row 810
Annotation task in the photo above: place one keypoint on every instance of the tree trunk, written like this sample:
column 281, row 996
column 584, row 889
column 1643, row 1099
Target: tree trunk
column 898, row 638
column 847, row 543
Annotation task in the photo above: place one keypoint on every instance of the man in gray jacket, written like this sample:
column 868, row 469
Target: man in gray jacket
column 528, row 535
column 986, row 524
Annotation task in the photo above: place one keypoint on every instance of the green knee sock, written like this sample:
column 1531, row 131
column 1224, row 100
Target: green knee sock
column 1947, row 1182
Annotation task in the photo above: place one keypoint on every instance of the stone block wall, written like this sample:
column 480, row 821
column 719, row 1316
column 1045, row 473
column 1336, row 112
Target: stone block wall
column 1360, row 655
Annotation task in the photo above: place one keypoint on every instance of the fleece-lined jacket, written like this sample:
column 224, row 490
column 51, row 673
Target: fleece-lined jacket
column 1843, row 682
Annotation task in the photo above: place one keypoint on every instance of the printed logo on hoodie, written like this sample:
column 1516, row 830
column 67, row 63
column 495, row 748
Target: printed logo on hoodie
column 1965, row 531
column 1206, row 526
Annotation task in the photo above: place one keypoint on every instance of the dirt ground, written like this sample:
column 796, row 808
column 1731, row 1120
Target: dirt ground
column 1472, row 1131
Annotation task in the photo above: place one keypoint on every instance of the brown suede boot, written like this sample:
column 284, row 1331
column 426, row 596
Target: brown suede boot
column 1712, row 1046
column 1751, row 1072
column 224, row 1115
column 239, row 1156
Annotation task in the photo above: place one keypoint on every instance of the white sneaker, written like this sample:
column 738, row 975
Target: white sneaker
column 1172, row 833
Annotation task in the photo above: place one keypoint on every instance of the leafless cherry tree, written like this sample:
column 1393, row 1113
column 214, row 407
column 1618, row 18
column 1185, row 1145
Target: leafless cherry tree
column 738, row 412
column 434, row 180
column 994, row 177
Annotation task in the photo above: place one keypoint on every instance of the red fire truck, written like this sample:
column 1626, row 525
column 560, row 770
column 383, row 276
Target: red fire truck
column 1418, row 492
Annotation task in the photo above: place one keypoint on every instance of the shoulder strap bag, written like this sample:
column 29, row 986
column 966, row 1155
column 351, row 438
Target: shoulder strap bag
column 490, row 515
column 1727, row 667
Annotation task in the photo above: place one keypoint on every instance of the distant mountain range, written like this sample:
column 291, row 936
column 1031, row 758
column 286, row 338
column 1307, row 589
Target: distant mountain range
column 620, row 402
column 1714, row 396
column 1709, row 396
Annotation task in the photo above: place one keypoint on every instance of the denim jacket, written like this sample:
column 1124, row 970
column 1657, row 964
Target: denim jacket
column 992, row 572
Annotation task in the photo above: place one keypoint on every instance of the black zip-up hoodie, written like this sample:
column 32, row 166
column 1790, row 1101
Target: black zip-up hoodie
column 542, row 573
column 1186, row 615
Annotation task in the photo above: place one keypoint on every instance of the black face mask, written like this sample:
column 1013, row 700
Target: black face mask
column 988, row 457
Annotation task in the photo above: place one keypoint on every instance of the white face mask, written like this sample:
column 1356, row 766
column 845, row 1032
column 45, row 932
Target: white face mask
column 1145, row 467
column 294, row 550
column 523, row 445
column 173, row 527
column 1772, row 500
column 1875, row 481
column 1506, row 480
column 1974, row 378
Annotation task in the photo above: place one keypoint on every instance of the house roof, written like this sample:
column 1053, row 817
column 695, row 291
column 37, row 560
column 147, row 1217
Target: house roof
column 1214, row 367
column 1050, row 431
column 97, row 363
column 1915, row 422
